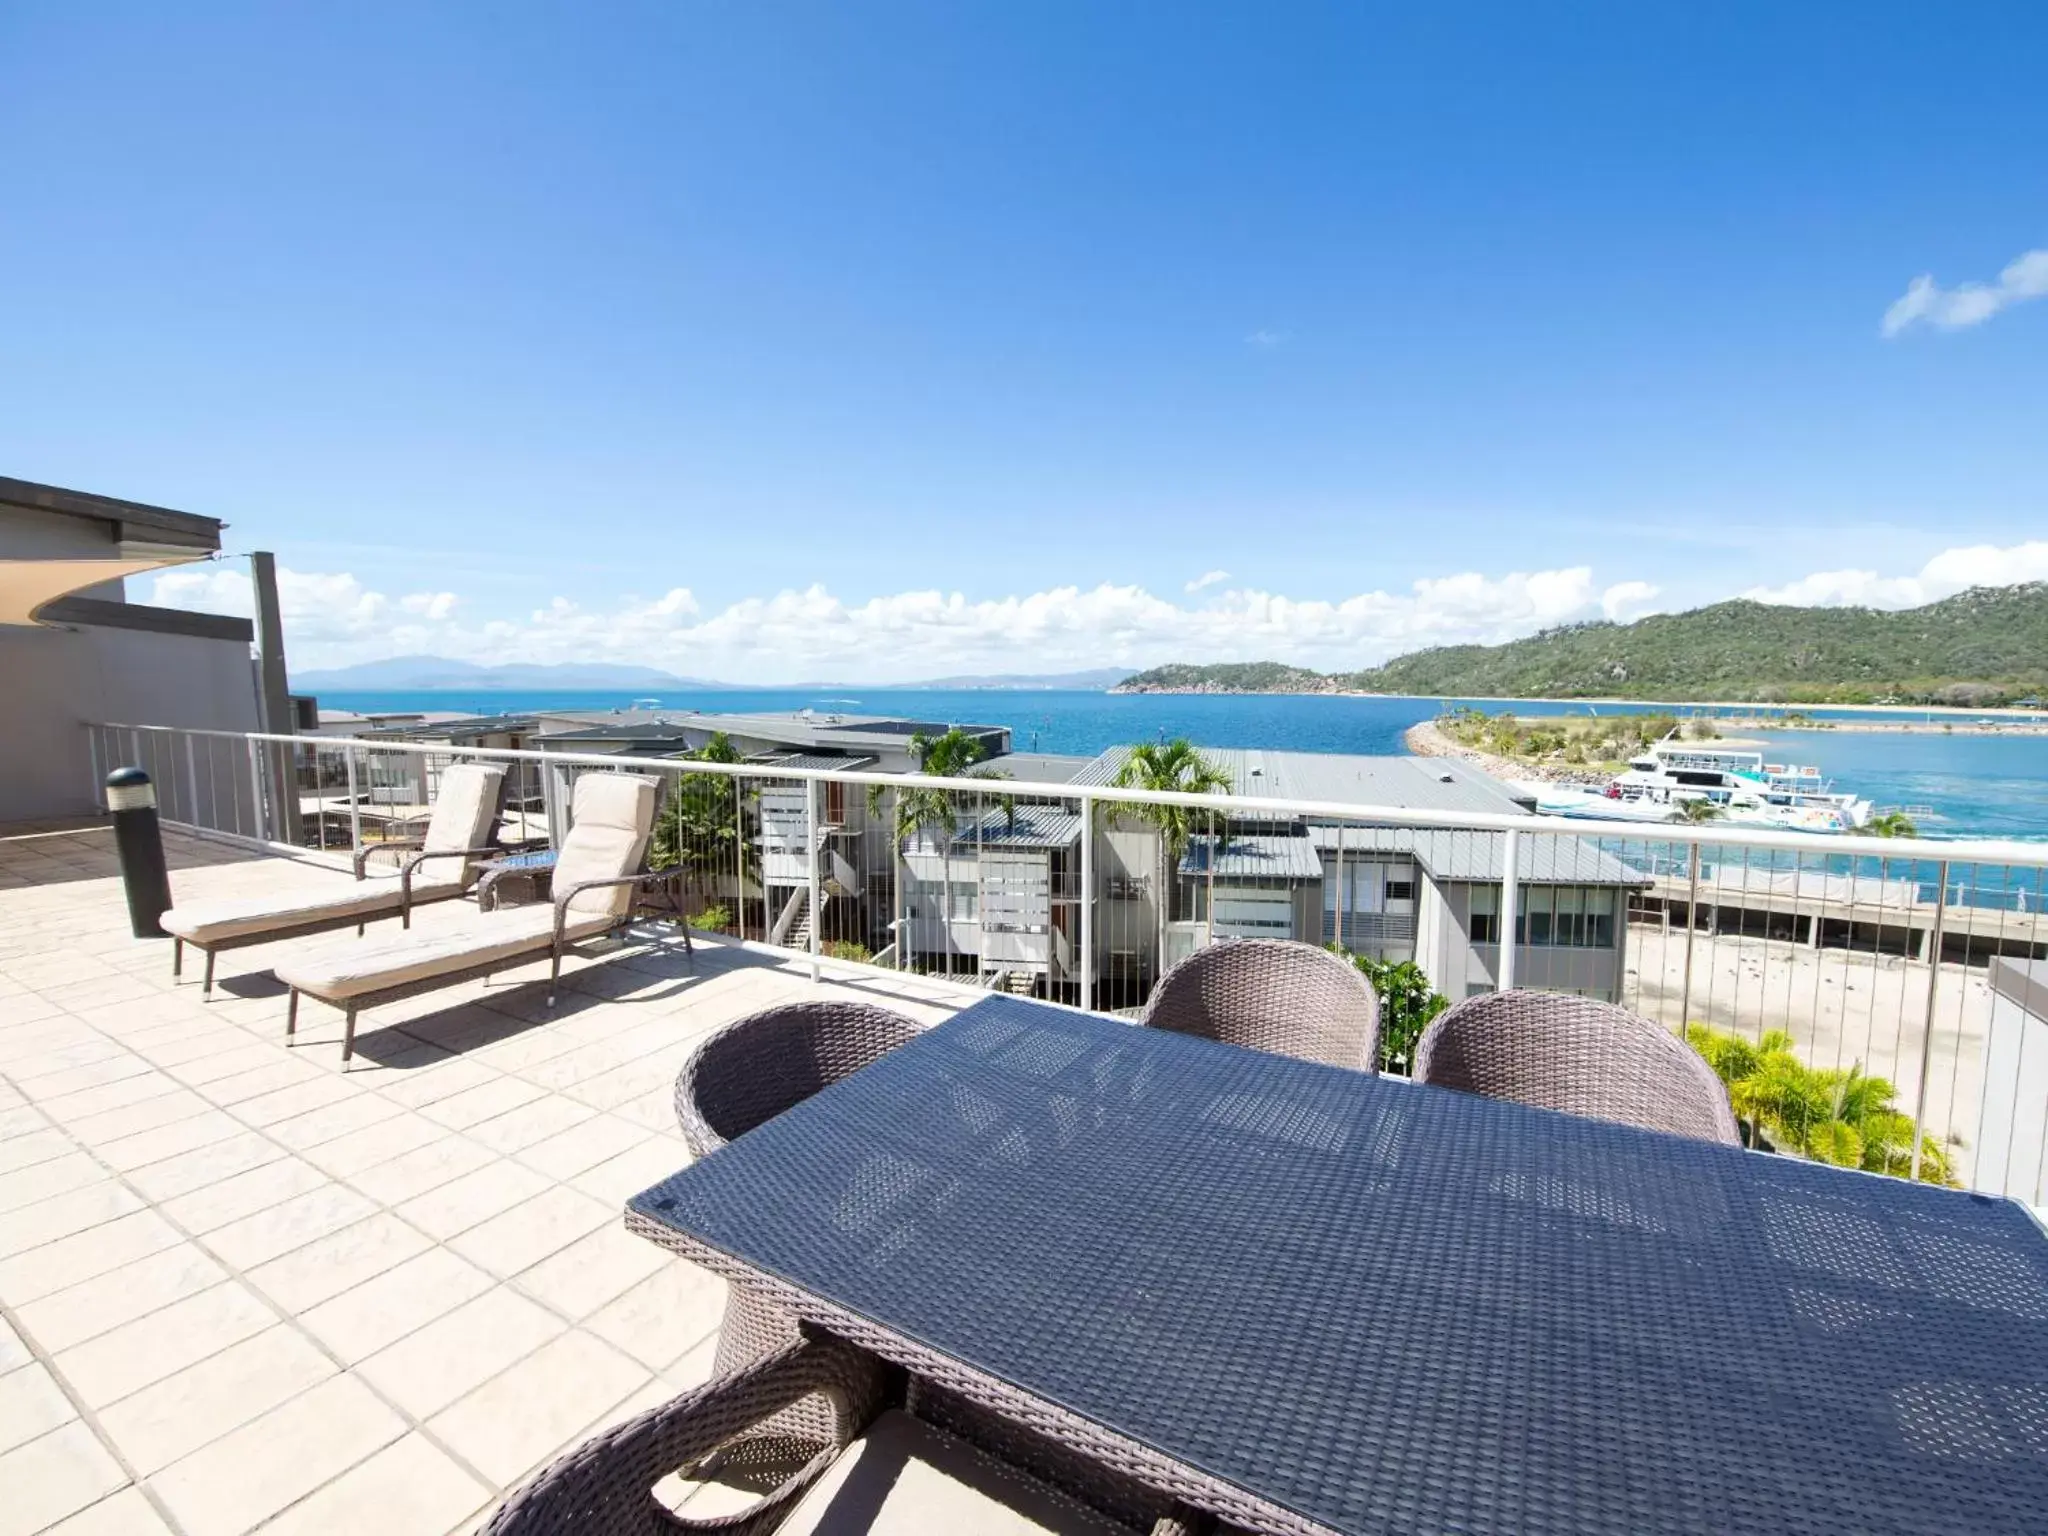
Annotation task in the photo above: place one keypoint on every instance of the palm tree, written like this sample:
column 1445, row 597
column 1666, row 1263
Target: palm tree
column 1891, row 824
column 698, row 828
column 1175, row 767
column 1695, row 809
column 948, row 756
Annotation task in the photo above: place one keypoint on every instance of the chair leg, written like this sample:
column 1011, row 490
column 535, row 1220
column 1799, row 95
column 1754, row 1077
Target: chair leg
column 348, row 1037
column 206, row 988
column 291, row 1015
column 177, row 957
column 359, row 930
column 554, row 974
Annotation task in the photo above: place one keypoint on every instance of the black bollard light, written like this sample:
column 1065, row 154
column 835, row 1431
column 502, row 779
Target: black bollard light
column 140, row 842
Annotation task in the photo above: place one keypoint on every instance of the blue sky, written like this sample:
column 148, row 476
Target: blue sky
column 755, row 339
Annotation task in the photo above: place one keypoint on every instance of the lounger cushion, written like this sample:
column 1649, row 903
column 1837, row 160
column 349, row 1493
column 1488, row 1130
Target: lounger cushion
column 906, row 1478
column 336, row 899
column 612, row 815
column 349, row 968
column 465, row 815
column 464, row 812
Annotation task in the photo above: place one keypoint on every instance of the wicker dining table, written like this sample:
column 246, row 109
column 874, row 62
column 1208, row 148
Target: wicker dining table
column 1309, row 1300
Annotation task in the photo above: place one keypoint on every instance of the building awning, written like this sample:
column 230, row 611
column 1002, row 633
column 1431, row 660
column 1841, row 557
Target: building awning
column 28, row 586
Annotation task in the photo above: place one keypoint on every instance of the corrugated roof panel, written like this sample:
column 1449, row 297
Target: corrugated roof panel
column 1544, row 858
column 1411, row 783
column 1254, row 858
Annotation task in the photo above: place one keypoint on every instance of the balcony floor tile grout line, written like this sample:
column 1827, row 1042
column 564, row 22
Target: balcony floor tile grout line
column 235, row 1273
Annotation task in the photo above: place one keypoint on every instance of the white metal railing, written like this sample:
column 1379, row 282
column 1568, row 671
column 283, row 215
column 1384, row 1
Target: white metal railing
column 1879, row 955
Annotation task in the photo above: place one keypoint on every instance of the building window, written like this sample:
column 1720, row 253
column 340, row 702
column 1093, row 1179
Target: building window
column 1400, row 890
column 1566, row 917
column 1483, row 925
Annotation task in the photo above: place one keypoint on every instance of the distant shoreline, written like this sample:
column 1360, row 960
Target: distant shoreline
column 1734, row 713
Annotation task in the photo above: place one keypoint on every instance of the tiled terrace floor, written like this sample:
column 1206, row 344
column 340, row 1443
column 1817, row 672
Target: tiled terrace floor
column 241, row 1290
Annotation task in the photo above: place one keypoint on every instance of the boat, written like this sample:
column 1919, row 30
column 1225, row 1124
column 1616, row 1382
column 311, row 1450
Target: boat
column 1743, row 789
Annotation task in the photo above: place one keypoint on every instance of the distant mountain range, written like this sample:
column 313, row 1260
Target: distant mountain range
column 423, row 674
column 1986, row 646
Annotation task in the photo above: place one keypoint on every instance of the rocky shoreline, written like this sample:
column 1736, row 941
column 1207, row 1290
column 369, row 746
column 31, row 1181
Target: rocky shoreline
column 1425, row 740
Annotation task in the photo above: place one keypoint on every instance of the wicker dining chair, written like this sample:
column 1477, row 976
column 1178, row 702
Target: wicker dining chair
column 747, row 1073
column 1573, row 1054
column 1273, row 995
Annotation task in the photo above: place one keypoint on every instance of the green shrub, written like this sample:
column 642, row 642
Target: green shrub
column 1828, row 1116
column 711, row 919
column 849, row 949
column 1407, row 1003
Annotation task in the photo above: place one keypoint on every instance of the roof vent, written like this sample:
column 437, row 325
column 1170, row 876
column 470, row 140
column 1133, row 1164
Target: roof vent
column 1445, row 778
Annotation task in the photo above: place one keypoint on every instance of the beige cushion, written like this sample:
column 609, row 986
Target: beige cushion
column 210, row 922
column 611, row 817
column 350, row 968
column 905, row 1478
column 463, row 817
column 465, row 814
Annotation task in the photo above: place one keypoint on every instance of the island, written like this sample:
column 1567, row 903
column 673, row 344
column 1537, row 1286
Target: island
column 1986, row 648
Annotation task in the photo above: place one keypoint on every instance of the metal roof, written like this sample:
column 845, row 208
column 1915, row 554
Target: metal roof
column 1254, row 858
column 797, row 728
column 1543, row 858
column 826, row 761
column 1037, row 767
column 1410, row 783
column 1034, row 826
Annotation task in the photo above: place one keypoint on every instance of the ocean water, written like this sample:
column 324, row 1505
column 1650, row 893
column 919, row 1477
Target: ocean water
column 1979, row 786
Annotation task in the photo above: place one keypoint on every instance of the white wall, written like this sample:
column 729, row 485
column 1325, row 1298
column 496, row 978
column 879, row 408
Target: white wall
column 53, row 681
column 2012, row 1126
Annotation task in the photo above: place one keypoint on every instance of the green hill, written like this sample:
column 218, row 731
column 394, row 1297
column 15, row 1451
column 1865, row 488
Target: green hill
column 1229, row 677
column 1985, row 646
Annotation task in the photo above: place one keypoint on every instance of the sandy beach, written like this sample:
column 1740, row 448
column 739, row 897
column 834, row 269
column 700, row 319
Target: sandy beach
column 1841, row 1008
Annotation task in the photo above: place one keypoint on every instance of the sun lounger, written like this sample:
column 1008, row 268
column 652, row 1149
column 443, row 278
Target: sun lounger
column 595, row 873
column 435, row 867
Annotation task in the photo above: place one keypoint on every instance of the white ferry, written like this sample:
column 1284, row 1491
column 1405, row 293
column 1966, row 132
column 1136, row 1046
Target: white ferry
column 1743, row 789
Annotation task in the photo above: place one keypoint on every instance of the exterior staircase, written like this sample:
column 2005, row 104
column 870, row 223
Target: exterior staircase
column 799, row 935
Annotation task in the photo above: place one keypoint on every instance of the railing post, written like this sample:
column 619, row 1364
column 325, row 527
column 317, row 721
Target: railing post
column 1510, row 894
column 256, row 788
column 1087, row 901
column 739, row 860
column 814, row 837
column 191, row 779
column 1339, row 904
column 1927, row 1034
column 99, row 778
column 1692, row 923
column 355, row 810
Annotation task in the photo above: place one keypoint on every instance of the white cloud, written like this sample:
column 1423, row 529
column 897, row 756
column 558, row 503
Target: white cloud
column 1950, row 572
column 1950, row 309
column 331, row 620
column 1265, row 338
column 1207, row 579
column 1627, row 600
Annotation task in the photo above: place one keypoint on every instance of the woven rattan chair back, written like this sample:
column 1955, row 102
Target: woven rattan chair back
column 1272, row 995
column 1577, row 1055
column 755, row 1068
